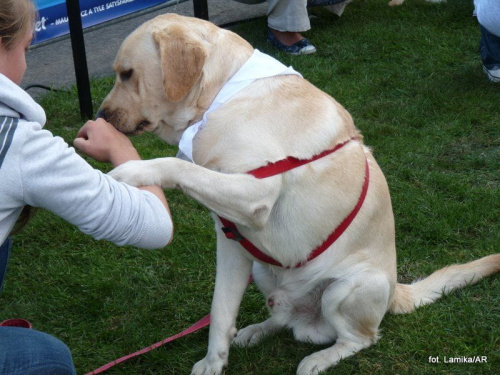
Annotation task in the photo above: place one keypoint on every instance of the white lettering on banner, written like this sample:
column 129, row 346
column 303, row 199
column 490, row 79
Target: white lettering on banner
column 60, row 21
column 53, row 22
column 40, row 25
column 117, row 3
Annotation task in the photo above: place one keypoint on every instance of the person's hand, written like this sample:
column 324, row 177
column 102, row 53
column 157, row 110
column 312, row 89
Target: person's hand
column 101, row 141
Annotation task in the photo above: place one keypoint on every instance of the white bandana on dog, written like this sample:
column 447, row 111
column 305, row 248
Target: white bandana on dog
column 259, row 65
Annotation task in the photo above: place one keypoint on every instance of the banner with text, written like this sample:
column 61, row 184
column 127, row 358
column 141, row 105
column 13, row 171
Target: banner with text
column 53, row 16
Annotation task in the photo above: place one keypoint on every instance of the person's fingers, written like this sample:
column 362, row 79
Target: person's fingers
column 83, row 132
column 81, row 144
column 101, row 121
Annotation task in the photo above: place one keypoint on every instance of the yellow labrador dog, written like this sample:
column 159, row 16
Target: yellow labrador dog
column 295, row 193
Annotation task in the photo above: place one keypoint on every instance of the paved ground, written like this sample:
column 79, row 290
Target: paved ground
column 51, row 63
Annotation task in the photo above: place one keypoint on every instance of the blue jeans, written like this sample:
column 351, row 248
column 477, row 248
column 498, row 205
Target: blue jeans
column 4, row 259
column 489, row 47
column 27, row 351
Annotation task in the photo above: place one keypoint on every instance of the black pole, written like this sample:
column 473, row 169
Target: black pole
column 79, row 58
column 200, row 9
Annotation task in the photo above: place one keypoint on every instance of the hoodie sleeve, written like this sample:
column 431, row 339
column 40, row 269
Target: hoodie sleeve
column 488, row 15
column 55, row 177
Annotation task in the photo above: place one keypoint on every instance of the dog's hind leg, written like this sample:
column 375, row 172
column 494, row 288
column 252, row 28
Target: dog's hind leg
column 233, row 271
column 354, row 306
column 266, row 281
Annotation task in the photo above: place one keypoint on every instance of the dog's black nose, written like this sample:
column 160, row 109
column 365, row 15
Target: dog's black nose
column 101, row 114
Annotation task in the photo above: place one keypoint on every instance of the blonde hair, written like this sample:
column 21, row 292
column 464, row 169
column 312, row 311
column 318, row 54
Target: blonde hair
column 17, row 18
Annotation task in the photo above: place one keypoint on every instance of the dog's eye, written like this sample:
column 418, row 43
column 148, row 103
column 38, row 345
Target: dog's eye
column 124, row 76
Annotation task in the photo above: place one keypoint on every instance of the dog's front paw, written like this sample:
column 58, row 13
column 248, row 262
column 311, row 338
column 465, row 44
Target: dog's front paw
column 314, row 364
column 210, row 366
column 249, row 336
column 136, row 173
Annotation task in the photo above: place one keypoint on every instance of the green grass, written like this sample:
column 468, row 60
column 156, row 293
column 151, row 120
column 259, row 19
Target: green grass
column 411, row 77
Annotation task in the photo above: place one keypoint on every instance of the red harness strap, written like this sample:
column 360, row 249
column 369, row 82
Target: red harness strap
column 282, row 166
column 232, row 233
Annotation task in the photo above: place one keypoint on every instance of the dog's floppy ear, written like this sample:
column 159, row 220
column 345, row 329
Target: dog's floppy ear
column 182, row 61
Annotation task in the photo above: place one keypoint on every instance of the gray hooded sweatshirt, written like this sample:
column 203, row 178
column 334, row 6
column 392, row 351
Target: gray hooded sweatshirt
column 41, row 170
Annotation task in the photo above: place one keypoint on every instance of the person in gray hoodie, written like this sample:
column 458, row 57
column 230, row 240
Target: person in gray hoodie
column 38, row 169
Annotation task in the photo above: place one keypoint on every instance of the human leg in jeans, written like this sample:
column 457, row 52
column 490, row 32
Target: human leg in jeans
column 4, row 259
column 286, row 20
column 488, row 16
column 26, row 351
column 490, row 54
column 29, row 352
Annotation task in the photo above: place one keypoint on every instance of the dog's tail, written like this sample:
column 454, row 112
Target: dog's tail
column 423, row 292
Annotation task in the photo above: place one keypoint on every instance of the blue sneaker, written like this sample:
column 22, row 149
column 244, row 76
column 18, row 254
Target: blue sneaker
column 302, row 47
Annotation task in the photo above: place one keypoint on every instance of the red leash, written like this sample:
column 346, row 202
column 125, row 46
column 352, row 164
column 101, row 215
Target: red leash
column 203, row 322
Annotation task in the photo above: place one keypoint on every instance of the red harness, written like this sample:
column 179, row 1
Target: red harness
column 281, row 166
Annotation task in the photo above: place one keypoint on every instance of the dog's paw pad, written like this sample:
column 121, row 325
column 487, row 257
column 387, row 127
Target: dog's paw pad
column 248, row 336
column 209, row 367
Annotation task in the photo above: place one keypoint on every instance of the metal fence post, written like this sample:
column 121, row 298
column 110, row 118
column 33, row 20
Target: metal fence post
column 79, row 58
column 200, row 9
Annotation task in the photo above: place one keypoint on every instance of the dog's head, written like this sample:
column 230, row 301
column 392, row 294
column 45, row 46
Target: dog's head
column 167, row 73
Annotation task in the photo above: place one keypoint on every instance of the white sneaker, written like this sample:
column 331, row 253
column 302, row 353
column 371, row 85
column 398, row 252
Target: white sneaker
column 493, row 74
